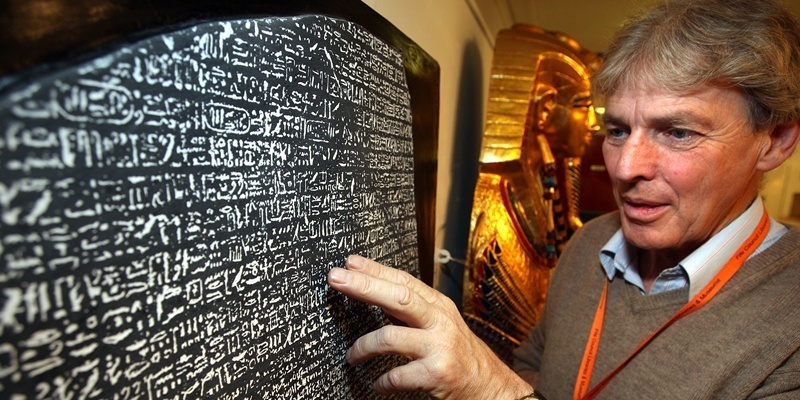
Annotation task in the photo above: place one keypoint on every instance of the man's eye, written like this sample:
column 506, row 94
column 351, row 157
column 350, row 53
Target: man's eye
column 680, row 139
column 680, row 133
column 615, row 132
column 616, row 136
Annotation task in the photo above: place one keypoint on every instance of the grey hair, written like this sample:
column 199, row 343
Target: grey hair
column 751, row 45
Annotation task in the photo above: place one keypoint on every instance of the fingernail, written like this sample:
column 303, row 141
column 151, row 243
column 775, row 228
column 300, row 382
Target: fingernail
column 355, row 261
column 339, row 275
column 348, row 357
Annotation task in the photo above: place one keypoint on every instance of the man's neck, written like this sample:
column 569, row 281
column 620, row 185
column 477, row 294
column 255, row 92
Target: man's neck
column 652, row 263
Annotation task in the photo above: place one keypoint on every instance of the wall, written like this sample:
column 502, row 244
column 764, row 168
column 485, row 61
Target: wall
column 781, row 190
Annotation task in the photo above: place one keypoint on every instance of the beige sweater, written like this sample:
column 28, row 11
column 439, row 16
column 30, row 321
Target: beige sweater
column 742, row 345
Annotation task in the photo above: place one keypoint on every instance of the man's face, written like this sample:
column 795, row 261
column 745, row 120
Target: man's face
column 682, row 167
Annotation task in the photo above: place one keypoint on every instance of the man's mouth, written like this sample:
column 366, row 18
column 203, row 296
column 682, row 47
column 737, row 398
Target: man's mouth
column 642, row 210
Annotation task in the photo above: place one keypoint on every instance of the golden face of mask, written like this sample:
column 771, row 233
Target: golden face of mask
column 562, row 107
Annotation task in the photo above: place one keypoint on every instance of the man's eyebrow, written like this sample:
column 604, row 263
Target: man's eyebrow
column 609, row 119
column 685, row 119
column 676, row 119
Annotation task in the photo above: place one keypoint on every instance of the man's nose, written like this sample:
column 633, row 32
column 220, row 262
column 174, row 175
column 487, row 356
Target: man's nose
column 636, row 159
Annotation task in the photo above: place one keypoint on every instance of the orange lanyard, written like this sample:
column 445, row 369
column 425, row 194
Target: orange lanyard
column 709, row 291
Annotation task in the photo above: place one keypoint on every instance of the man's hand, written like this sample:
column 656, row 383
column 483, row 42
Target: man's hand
column 446, row 360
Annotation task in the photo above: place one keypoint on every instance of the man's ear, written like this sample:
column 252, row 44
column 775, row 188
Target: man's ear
column 783, row 141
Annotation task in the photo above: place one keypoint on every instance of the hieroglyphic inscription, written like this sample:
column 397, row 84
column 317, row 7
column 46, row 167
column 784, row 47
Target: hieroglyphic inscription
column 170, row 211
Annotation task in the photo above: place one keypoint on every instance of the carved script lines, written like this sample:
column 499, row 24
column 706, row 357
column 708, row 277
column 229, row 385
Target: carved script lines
column 169, row 212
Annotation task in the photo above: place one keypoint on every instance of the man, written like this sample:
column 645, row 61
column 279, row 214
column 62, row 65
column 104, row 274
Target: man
column 694, row 293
